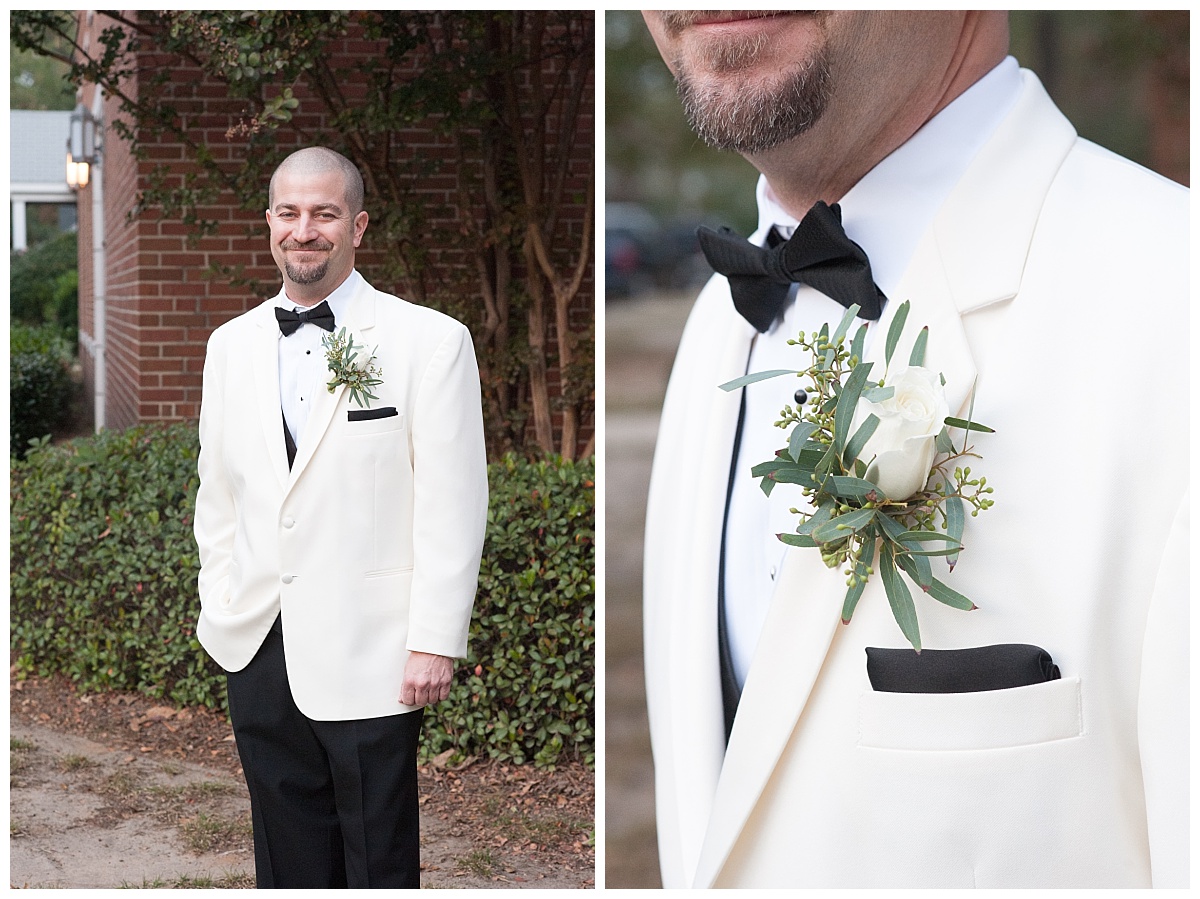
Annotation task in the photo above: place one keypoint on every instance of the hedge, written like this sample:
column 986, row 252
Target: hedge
column 103, row 590
column 40, row 287
column 40, row 388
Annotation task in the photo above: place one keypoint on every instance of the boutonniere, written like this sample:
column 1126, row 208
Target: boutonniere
column 351, row 365
column 879, row 462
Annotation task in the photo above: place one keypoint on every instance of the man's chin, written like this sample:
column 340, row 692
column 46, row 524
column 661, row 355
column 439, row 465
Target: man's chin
column 306, row 274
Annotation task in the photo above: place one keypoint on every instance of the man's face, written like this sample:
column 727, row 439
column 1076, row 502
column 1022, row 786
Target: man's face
column 753, row 80
column 313, row 235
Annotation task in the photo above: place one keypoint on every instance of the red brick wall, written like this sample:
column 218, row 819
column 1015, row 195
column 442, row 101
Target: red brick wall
column 162, row 302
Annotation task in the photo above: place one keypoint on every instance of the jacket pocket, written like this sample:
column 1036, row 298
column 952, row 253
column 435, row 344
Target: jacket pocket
column 371, row 414
column 360, row 422
column 995, row 719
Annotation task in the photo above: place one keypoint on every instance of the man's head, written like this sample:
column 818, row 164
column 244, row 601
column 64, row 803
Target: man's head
column 847, row 86
column 317, row 221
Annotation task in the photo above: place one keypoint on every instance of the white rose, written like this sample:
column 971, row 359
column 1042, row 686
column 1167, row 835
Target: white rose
column 901, row 451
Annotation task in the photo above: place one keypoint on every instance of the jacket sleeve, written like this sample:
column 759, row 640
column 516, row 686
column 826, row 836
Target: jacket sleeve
column 1163, row 712
column 450, row 497
column 216, row 516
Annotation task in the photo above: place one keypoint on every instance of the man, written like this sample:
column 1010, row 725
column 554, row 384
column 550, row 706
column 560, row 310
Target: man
column 1053, row 278
column 340, row 540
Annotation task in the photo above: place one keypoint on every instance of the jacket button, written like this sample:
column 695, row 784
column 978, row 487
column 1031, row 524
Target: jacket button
column 289, row 522
column 287, row 578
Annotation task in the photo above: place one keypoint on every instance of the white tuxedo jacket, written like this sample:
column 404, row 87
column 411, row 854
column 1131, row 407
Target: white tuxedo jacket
column 1056, row 273
column 371, row 543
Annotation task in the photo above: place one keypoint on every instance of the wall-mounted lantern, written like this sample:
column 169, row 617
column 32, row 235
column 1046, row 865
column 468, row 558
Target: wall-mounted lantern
column 82, row 146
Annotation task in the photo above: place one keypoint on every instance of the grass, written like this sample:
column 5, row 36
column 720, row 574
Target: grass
column 194, row 792
column 519, row 826
column 18, row 756
column 204, row 832
column 237, row 880
column 122, row 784
column 480, row 862
column 76, row 763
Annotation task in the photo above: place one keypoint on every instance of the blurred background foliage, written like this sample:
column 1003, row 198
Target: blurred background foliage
column 1120, row 76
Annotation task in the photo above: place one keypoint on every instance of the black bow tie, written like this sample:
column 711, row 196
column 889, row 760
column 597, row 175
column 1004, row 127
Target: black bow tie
column 320, row 315
column 818, row 254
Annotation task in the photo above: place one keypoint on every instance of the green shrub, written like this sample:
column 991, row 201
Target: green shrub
column 103, row 589
column 103, row 564
column 530, row 677
column 35, row 292
column 40, row 388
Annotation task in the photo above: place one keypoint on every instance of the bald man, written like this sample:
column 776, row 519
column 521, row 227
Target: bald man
column 340, row 535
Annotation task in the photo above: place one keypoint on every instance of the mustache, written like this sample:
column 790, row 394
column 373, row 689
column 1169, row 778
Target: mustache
column 675, row 20
column 311, row 245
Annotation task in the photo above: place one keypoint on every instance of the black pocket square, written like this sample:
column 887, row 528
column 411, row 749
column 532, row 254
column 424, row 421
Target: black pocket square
column 973, row 670
column 370, row 414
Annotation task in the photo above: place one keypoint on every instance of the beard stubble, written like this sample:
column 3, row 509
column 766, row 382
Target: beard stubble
column 751, row 115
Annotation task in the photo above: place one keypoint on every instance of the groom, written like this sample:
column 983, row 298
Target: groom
column 1053, row 277
column 339, row 538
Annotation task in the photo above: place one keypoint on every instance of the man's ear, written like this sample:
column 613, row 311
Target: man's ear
column 360, row 226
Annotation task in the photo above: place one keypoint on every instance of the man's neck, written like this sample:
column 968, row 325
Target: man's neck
column 308, row 295
column 818, row 165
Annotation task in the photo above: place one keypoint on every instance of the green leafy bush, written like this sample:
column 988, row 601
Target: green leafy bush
column 530, row 684
column 103, row 565
column 103, row 589
column 36, row 293
column 40, row 388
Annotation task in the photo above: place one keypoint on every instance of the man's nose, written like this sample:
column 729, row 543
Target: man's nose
column 303, row 230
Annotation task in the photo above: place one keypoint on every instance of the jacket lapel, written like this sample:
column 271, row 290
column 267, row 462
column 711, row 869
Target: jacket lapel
column 972, row 256
column 360, row 320
column 265, row 356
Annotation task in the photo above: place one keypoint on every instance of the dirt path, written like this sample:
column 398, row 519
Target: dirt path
column 112, row 790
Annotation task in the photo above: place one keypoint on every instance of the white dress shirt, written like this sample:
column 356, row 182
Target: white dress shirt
column 886, row 213
column 302, row 366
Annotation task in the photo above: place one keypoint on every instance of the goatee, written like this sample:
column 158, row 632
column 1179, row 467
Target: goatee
column 753, row 117
column 309, row 274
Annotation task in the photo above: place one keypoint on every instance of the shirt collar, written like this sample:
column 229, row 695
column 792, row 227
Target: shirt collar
column 889, row 209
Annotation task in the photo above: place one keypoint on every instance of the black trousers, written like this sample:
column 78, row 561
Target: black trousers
column 334, row 803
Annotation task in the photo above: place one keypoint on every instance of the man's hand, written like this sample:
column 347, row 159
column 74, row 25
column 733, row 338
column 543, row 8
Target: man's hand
column 427, row 678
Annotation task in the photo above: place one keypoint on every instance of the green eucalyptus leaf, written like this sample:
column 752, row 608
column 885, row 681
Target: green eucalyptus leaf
column 847, row 402
column 853, row 595
column 893, row 336
column 755, row 378
column 918, row 351
column 938, row 590
column 923, row 536
column 765, row 468
column 949, row 551
column 859, row 343
column 968, row 425
column 823, row 514
column 860, row 438
column 944, row 444
column 843, row 327
column 878, row 394
column 846, row 487
column 956, row 519
column 843, row 526
column 803, row 540
column 917, row 567
column 799, row 438
column 791, row 474
column 903, row 609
